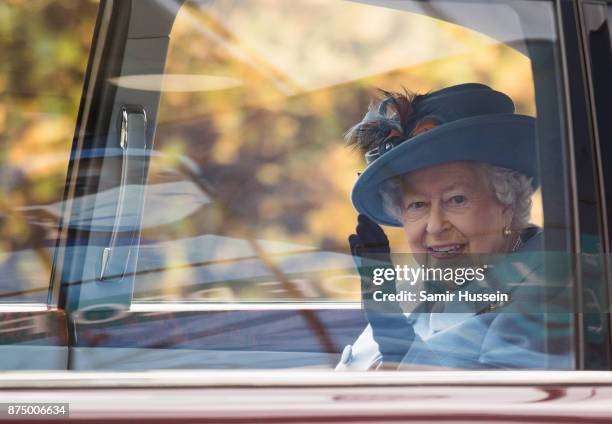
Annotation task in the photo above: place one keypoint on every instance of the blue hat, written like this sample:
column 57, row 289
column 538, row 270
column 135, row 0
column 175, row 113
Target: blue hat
column 473, row 123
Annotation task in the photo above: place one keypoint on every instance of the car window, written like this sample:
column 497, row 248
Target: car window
column 254, row 109
column 45, row 49
column 388, row 191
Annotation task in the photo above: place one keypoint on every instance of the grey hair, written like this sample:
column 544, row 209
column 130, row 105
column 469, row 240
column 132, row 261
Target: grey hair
column 511, row 188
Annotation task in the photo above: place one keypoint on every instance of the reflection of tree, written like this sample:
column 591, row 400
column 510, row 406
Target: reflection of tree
column 273, row 157
column 274, row 177
column 45, row 47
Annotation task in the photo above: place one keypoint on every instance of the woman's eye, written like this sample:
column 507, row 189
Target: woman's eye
column 458, row 200
column 416, row 205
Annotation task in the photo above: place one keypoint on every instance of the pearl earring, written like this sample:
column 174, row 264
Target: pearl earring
column 506, row 231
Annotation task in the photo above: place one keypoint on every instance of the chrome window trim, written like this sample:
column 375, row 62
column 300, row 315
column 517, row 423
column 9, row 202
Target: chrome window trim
column 238, row 306
column 26, row 307
column 294, row 378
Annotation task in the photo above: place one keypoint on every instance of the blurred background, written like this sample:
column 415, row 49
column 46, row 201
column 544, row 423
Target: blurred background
column 251, row 181
column 45, row 46
column 259, row 95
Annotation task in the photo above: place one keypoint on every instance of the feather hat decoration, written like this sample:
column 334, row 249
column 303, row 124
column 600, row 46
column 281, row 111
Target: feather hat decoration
column 388, row 119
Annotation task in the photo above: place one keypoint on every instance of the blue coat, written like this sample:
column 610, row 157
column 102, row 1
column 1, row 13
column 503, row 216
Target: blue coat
column 519, row 335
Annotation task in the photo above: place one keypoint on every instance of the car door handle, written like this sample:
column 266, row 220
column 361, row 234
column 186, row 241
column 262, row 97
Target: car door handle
column 130, row 198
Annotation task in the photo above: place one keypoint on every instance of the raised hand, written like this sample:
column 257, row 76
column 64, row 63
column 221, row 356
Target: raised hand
column 370, row 240
column 390, row 327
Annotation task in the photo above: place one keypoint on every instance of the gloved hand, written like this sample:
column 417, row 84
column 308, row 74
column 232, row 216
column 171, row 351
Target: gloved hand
column 391, row 329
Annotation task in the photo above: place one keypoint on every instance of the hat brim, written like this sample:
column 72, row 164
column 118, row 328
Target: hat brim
column 506, row 140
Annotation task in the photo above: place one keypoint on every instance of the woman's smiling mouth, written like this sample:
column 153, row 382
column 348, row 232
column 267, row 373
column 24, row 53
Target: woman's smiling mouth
column 446, row 251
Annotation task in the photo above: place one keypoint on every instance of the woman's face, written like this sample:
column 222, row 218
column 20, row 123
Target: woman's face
column 450, row 214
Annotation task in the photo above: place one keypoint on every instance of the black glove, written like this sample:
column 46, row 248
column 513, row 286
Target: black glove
column 391, row 329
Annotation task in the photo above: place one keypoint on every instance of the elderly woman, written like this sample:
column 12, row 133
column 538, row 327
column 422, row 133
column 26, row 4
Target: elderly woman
column 456, row 169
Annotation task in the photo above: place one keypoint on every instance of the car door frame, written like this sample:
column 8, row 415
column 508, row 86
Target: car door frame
column 595, row 17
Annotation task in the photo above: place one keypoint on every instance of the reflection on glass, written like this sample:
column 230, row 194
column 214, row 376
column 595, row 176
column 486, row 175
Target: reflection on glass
column 268, row 151
column 45, row 48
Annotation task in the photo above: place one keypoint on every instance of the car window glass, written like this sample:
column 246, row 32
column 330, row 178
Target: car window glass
column 250, row 251
column 45, row 49
column 250, row 131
